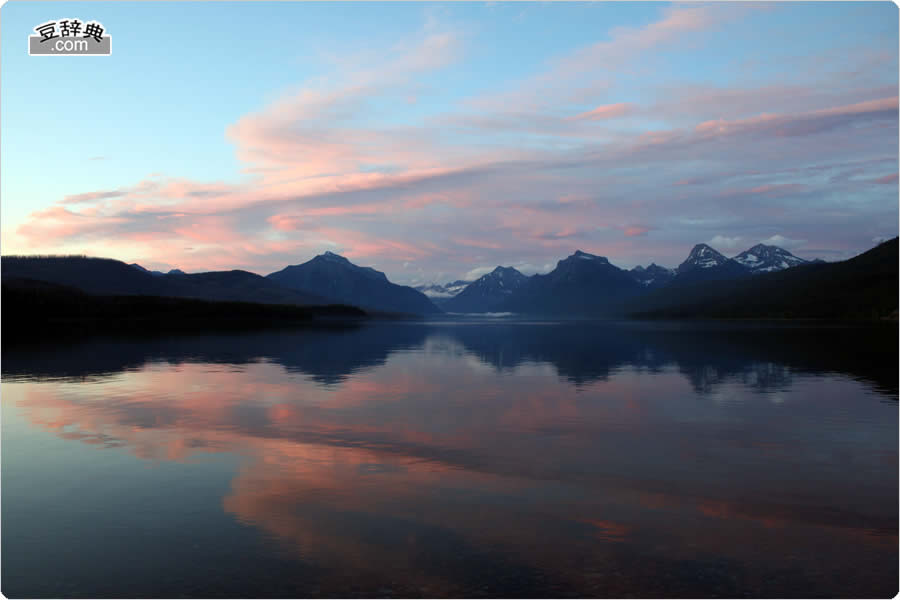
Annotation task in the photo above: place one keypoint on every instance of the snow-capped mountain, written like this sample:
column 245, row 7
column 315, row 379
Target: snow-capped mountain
column 707, row 264
column 765, row 259
column 653, row 276
column 448, row 290
column 488, row 292
column 702, row 257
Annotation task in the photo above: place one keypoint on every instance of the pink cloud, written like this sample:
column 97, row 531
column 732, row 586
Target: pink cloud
column 782, row 187
column 635, row 230
column 91, row 197
column 286, row 222
column 359, row 245
column 353, row 209
column 887, row 179
column 800, row 123
column 607, row 111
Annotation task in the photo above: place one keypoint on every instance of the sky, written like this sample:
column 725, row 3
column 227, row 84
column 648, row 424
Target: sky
column 437, row 141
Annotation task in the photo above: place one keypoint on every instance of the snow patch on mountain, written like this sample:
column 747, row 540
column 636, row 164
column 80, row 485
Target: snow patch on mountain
column 448, row 290
column 763, row 258
column 703, row 257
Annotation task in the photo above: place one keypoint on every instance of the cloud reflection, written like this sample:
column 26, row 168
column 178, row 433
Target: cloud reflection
column 411, row 459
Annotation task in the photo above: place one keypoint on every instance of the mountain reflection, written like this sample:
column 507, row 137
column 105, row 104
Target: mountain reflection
column 535, row 459
column 760, row 356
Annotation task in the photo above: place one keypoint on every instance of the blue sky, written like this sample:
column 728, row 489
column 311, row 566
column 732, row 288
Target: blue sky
column 437, row 140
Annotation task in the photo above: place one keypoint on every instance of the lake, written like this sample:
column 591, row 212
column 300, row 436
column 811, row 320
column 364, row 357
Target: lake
column 455, row 458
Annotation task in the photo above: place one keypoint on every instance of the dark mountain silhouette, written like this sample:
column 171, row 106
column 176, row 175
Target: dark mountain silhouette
column 653, row 277
column 706, row 264
column 864, row 287
column 765, row 259
column 145, row 270
column 113, row 277
column 336, row 277
column 582, row 284
column 488, row 293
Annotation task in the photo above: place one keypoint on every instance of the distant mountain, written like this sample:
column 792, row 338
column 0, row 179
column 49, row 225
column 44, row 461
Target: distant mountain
column 654, row 276
column 581, row 285
column 488, row 293
column 112, row 277
column 765, row 259
column 336, row 277
column 146, row 270
column 440, row 294
column 864, row 287
column 706, row 264
column 447, row 290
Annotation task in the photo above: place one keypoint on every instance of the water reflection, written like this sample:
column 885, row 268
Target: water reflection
column 705, row 353
column 505, row 459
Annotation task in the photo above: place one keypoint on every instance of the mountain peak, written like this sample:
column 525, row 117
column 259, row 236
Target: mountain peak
column 762, row 258
column 587, row 256
column 334, row 277
column 703, row 256
column 329, row 255
column 703, row 248
column 488, row 292
column 501, row 274
column 331, row 260
column 652, row 276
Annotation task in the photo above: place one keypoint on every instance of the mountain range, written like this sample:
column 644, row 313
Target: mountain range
column 581, row 285
column 440, row 294
column 863, row 287
column 104, row 276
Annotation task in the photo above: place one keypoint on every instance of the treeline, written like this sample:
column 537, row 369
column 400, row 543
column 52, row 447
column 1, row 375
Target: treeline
column 32, row 307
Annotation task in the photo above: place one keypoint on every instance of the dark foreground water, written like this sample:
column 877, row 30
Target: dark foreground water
column 454, row 459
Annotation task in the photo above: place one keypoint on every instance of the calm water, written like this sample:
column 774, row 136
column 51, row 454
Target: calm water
column 454, row 459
